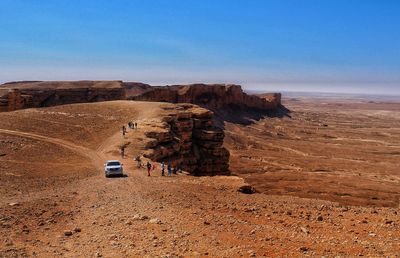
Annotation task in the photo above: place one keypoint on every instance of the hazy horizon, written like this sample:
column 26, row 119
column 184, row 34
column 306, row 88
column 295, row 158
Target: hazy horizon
column 332, row 46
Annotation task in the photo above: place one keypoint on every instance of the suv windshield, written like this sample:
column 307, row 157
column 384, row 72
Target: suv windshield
column 114, row 163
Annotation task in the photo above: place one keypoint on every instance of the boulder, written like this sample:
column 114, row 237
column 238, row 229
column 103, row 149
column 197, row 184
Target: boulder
column 247, row 189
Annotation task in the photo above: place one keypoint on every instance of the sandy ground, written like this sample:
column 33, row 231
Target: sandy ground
column 55, row 200
column 343, row 151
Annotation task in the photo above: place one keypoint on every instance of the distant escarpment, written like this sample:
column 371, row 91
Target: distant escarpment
column 186, row 137
column 229, row 102
column 136, row 88
column 27, row 94
column 212, row 96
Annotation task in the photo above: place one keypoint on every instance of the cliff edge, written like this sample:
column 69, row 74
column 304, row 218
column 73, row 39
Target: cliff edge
column 212, row 96
column 186, row 137
column 228, row 101
column 28, row 94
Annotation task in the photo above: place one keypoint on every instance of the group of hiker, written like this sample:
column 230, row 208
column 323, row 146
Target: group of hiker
column 131, row 125
column 152, row 167
column 170, row 169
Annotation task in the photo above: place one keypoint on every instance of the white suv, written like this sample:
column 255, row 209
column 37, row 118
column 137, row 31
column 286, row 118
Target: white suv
column 113, row 167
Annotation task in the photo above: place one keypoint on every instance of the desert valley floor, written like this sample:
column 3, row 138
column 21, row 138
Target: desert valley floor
column 328, row 182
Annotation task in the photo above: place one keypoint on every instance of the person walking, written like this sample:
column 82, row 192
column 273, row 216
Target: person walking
column 123, row 130
column 139, row 161
column 135, row 125
column 162, row 168
column 148, row 168
column 169, row 170
column 123, row 152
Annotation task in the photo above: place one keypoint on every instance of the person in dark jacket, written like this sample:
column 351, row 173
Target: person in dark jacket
column 169, row 170
column 162, row 168
column 123, row 129
column 148, row 165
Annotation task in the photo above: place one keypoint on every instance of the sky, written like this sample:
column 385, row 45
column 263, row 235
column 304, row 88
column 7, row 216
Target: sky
column 350, row 46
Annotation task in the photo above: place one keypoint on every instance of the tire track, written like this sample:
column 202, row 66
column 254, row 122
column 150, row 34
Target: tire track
column 83, row 151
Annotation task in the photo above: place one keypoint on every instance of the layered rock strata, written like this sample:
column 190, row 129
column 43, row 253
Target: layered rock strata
column 187, row 138
column 43, row 94
column 11, row 100
column 212, row 96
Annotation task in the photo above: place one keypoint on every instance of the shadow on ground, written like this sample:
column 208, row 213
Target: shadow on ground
column 238, row 115
column 117, row 176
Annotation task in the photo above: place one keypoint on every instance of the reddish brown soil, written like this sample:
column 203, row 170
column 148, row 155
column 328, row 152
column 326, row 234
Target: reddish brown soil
column 328, row 149
column 51, row 181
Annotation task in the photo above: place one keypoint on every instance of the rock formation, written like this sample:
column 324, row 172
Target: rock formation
column 11, row 100
column 136, row 88
column 212, row 96
column 227, row 101
column 18, row 95
column 216, row 97
column 188, row 138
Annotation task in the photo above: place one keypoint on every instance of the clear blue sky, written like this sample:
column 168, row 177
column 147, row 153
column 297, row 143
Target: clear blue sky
column 307, row 45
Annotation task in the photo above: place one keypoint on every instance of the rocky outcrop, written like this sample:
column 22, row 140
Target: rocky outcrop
column 136, row 88
column 11, row 100
column 43, row 94
column 212, row 96
column 272, row 98
column 216, row 97
column 187, row 138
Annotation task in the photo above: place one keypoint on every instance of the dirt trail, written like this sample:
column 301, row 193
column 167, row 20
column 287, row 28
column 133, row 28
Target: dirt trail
column 86, row 152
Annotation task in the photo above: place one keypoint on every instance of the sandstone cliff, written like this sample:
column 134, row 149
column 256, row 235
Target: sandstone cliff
column 19, row 95
column 217, row 97
column 187, row 137
column 212, row 96
column 136, row 88
column 10, row 100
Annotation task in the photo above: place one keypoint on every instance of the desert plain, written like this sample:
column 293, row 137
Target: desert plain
column 327, row 176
